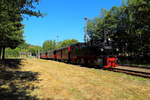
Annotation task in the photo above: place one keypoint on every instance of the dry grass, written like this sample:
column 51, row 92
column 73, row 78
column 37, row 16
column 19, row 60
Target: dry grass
column 59, row 81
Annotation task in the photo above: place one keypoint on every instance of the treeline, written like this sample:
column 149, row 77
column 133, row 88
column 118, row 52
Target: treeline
column 28, row 50
column 51, row 44
column 127, row 27
column 23, row 50
column 11, row 15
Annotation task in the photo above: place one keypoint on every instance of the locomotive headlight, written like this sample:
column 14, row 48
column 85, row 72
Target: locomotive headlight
column 117, row 49
column 109, row 39
column 102, row 49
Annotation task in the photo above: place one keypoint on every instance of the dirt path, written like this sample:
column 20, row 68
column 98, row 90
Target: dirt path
column 61, row 81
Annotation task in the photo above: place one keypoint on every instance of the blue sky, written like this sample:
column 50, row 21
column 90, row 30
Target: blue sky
column 64, row 19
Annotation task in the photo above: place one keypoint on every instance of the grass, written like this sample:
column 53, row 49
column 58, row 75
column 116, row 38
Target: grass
column 44, row 79
column 15, row 83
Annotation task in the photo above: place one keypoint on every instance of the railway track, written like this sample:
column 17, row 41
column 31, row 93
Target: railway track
column 141, row 72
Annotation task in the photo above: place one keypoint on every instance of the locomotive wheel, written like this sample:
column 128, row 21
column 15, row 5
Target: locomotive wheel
column 68, row 61
column 78, row 61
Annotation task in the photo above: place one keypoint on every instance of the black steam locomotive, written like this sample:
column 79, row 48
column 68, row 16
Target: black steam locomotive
column 91, row 54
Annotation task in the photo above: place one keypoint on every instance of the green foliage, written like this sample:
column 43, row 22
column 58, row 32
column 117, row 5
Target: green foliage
column 66, row 43
column 49, row 45
column 127, row 26
column 12, row 52
column 23, row 45
column 11, row 15
column 23, row 50
column 34, row 50
column 139, row 19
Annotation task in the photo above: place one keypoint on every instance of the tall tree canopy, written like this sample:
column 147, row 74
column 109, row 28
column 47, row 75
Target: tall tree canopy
column 66, row 43
column 127, row 26
column 49, row 45
column 11, row 14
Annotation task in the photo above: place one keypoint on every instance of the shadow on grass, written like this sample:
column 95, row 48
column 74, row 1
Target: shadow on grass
column 10, row 63
column 16, row 84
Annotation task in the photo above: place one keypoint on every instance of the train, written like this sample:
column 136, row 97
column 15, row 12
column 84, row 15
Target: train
column 83, row 54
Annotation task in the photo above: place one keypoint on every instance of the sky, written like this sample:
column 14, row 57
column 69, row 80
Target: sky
column 64, row 19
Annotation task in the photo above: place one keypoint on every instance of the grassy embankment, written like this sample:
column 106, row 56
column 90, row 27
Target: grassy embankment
column 43, row 79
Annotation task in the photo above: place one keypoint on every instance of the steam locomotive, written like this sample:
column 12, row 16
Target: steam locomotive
column 84, row 54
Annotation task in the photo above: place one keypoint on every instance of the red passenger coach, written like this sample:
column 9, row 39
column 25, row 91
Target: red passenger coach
column 58, row 54
column 66, row 54
column 44, row 55
column 51, row 54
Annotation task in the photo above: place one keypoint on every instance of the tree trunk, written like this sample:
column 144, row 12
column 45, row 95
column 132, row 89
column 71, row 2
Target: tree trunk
column 3, row 56
column 0, row 52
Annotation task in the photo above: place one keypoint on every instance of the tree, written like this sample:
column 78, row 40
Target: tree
column 11, row 30
column 119, row 27
column 140, row 24
column 12, row 52
column 49, row 45
column 34, row 50
column 11, row 15
column 93, row 27
column 127, row 27
column 66, row 43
